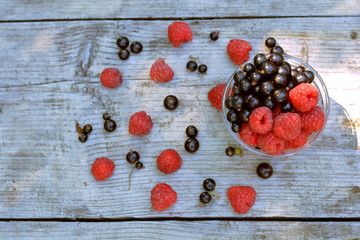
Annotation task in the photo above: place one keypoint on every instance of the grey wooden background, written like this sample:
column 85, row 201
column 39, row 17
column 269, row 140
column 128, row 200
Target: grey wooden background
column 52, row 54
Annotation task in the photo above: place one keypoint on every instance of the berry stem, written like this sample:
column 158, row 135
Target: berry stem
column 132, row 169
column 196, row 59
column 214, row 193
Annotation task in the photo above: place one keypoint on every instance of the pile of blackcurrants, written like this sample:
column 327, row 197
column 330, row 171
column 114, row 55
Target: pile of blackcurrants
column 265, row 82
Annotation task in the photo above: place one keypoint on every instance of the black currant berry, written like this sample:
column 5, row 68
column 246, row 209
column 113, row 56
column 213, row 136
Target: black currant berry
column 244, row 115
column 257, row 89
column 236, row 127
column 247, row 97
column 106, row 116
column 202, row 68
column 124, row 54
column 289, row 86
column 286, row 64
column 277, row 49
column 132, row 156
column 310, row 76
column 209, row 184
column 255, row 78
column 230, row 151
column 269, row 103
column 191, row 66
column 240, row 75
column 228, row 102
column 122, row 42
column 191, row 131
column 259, row 59
column 87, row 129
column 191, row 145
column 287, row 107
column 300, row 78
column 268, row 69
column 276, row 58
column 139, row 165
column 205, row 197
column 249, row 68
column 280, row 81
column 279, row 96
column 266, row 88
column 293, row 74
column 270, row 42
column 214, row 35
column 238, row 102
column 264, row 170
column 300, row 69
column 110, row 125
column 136, row 47
column 83, row 137
column 231, row 116
column 244, row 86
column 283, row 70
column 171, row 102
column 254, row 103
column 235, row 90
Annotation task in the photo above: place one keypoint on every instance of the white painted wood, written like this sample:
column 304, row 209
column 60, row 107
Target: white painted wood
column 119, row 9
column 49, row 79
column 180, row 230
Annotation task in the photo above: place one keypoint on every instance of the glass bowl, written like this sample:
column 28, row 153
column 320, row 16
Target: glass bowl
column 324, row 103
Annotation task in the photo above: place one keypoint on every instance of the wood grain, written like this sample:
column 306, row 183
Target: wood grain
column 50, row 80
column 180, row 230
column 119, row 9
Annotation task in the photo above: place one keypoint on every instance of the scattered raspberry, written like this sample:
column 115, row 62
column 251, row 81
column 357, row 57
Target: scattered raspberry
column 248, row 136
column 271, row 144
column 140, row 124
column 277, row 111
column 215, row 96
column 299, row 141
column 238, row 51
column 287, row 126
column 169, row 161
column 261, row 120
column 162, row 197
column 304, row 97
column 313, row 121
column 111, row 78
column 179, row 32
column 241, row 198
column 102, row 168
column 160, row 71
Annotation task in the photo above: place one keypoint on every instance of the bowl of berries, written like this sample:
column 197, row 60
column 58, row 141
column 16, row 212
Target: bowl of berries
column 275, row 104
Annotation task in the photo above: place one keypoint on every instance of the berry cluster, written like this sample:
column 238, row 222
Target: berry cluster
column 133, row 157
column 191, row 66
column 231, row 151
column 191, row 144
column 266, row 97
column 123, row 43
column 109, row 124
column 209, row 185
column 83, row 132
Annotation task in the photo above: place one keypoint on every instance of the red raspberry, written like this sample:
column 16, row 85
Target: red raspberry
column 162, row 197
column 179, row 32
column 215, row 96
column 277, row 111
column 248, row 136
column 169, row 161
column 271, row 144
column 299, row 141
column 261, row 120
column 111, row 78
column 238, row 51
column 140, row 124
column 160, row 71
column 313, row 121
column 287, row 126
column 241, row 198
column 304, row 97
column 102, row 168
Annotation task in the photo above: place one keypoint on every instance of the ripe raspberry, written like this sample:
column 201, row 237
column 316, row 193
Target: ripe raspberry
column 299, row 141
column 179, row 32
column 277, row 111
column 140, row 124
column 271, row 144
column 304, row 97
column 169, row 161
column 238, row 51
column 287, row 126
column 160, row 71
column 215, row 96
column 162, row 197
column 102, row 168
column 241, row 198
column 111, row 78
column 248, row 136
column 261, row 120
column 313, row 121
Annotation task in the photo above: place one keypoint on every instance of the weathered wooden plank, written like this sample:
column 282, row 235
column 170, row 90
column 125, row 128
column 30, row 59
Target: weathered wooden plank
column 180, row 230
column 92, row 9
column 50, row 79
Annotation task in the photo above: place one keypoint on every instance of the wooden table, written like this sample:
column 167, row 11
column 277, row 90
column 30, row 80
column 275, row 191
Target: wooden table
column 52, row 54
